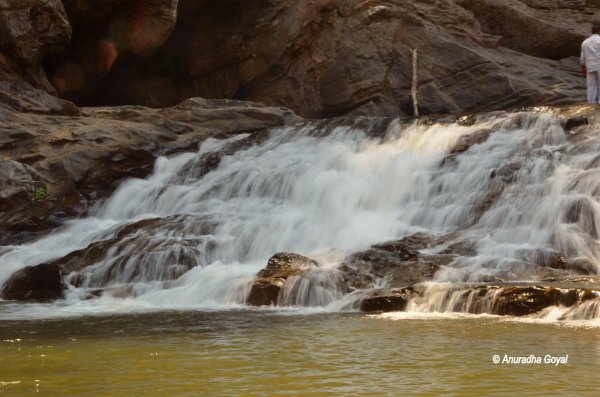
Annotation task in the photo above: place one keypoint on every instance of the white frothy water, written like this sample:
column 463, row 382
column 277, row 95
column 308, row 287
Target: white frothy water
column 517, row 195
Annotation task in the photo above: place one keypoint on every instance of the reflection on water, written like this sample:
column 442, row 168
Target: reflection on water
column 254, row 354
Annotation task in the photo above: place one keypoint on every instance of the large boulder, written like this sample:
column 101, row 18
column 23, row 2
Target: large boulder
column 267, row 286
column 34, row 284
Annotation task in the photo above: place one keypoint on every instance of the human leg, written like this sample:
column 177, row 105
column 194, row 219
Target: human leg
column 593, row 87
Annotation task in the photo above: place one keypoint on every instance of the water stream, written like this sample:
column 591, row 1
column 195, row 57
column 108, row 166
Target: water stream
column 523, row 192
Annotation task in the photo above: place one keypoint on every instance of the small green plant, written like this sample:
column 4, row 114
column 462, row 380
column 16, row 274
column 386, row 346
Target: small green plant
column 40, row 194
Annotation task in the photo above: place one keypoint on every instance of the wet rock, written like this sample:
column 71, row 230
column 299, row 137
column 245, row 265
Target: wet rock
column 507, row 172
column 285, row 264
column 521, row 301
column 270, row 280
column 398, row 262
column 82, row 158
column 265, row 292
column 466, row 141
column 576, row 119
column 582, row 212
column 455, row 245
column 387, row 300
column 581, row 265
column 499, row 299
column 35, row 283
column 156, row 249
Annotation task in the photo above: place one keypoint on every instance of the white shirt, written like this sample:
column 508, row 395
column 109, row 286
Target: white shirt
column 590, row 53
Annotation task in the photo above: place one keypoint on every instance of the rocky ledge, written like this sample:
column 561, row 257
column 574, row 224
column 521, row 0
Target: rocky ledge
column 397, row 275
column 505, row 299
column 53, row 166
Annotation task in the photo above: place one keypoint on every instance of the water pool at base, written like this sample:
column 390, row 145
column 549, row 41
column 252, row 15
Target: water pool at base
column 262, row 353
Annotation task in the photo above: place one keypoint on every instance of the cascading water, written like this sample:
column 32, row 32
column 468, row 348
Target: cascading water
column 194, row 233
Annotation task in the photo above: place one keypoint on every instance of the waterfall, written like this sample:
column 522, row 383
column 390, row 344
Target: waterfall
column 196, row 231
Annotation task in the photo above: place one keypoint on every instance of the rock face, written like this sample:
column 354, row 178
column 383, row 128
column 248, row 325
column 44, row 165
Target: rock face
column 35, row 283
column 270, row 280
column 31, row 31
column 398, row 263
column 321, row 58
column 326, row 58
column 73, row 160
column 504, row 300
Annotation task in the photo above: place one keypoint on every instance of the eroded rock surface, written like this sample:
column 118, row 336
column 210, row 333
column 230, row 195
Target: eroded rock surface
column 397, row 263
column 39, row 283
column 75, row 160
column 505, row 300
column 270, row 280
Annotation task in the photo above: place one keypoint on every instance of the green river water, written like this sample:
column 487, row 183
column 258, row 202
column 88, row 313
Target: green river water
column 259, row 353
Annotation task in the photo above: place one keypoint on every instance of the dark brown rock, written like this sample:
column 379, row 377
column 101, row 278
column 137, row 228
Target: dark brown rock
column 466, row 141
column 35, row 283
column 31, row 29
column 521, row 301
column 499, row 299
column 285, row 264
column 387, row 300
column 398, row 262
column 267, row 286
column 265, row 292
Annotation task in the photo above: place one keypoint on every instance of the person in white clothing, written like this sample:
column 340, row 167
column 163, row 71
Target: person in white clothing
column 590, row 64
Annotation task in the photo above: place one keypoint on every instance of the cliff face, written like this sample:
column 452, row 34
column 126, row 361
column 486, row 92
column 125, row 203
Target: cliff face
column 319, row 57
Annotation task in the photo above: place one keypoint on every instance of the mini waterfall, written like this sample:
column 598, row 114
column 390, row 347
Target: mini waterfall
column 516, row 299
column 516, row 188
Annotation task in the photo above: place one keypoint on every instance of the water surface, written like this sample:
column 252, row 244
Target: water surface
column 258, row 353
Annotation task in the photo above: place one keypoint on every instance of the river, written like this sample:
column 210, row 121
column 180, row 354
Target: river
column 266, row 353
column 161, row 309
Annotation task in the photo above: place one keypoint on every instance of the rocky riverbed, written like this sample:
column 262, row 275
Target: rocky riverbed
column 92, row 95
